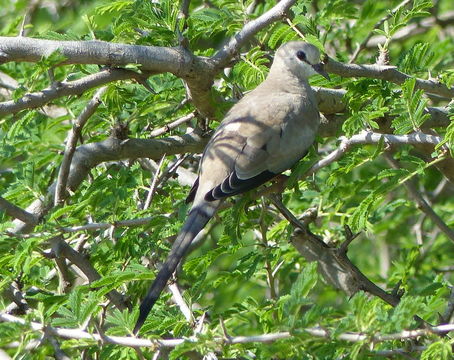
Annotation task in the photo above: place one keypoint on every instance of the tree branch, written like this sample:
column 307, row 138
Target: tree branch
column 17, row 213
column 223, row 56
column 265, row 338
column 65, row 88
column 60, row 187
column 152, row 58
column 389, row 73
column 90, row 155
column 333, row 263
column 372, row 138
column 422, row 203
column 61, row 249
column 172, row 125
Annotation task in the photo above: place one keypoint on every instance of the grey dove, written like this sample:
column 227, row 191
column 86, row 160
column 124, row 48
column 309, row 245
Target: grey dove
column 264, row 134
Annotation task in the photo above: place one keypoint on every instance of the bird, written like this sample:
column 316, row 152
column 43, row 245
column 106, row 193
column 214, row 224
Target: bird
column 265, row 133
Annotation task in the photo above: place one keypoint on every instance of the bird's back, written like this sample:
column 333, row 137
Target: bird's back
column 269, row 129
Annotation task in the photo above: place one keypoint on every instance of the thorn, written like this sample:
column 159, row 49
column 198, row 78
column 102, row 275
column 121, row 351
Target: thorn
column 349, row 238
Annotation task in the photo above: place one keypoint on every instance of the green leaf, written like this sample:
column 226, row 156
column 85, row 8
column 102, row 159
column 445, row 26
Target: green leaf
column 411, row 110
column 440, row 350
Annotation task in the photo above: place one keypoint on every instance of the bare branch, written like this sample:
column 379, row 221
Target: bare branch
column 178, row 298
column 14, row 294
column 389, row 73
column 333, row 263
column 265, row 338
column 152, row 58
column 336, row 268
column 154, row 183
column 17, row 213
column 60, row 187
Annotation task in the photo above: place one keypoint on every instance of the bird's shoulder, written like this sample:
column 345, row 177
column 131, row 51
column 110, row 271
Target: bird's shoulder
column 259, row 109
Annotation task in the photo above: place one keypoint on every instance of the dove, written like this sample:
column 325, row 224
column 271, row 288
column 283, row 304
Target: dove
column 265, row 133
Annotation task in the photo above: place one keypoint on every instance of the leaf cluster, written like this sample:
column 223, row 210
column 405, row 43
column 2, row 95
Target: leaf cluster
column 245, row 278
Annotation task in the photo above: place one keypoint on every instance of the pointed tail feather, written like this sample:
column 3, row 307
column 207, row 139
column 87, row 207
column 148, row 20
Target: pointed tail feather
column 195, row 222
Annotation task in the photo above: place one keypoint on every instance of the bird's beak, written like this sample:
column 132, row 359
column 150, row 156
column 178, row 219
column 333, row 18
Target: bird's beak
column 319, row 68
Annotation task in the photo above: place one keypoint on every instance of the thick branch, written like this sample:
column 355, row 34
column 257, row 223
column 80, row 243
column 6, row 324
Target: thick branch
column 336, row 268
column 90, row 155
column 151, row 58
column 17, row 213
column 333, row 263
column 389, row 73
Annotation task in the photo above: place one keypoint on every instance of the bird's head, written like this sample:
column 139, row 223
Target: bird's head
column 300, row 58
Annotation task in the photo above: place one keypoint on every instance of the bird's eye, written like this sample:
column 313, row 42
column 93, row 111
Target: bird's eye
column 301, row 55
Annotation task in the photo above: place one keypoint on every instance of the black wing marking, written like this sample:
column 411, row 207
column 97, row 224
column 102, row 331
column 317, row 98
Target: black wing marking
column 232, row 185
column 192, row 192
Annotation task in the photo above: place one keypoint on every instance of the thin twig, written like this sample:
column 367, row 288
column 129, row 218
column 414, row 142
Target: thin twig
column 363, row 44
column 264, row 338
column 366, row 137
column 422, row 203
column 172, row 125
column 152, row 189
column 178, row 298
column 223, row 56
column 65, row 88
column 89, row 110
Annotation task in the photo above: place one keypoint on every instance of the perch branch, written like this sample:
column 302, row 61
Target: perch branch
column 389, row 73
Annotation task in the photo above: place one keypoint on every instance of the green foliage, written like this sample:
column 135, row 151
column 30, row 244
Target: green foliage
column 245, row 278
column 80, row 308
column 438, row 350
column 252, row 70
column 410, row 110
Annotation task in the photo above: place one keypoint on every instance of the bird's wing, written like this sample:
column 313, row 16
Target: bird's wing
column 247, row 153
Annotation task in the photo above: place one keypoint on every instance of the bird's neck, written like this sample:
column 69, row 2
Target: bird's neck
column 285, row 81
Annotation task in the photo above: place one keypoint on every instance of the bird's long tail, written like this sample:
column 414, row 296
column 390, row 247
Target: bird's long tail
column 197, row 219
